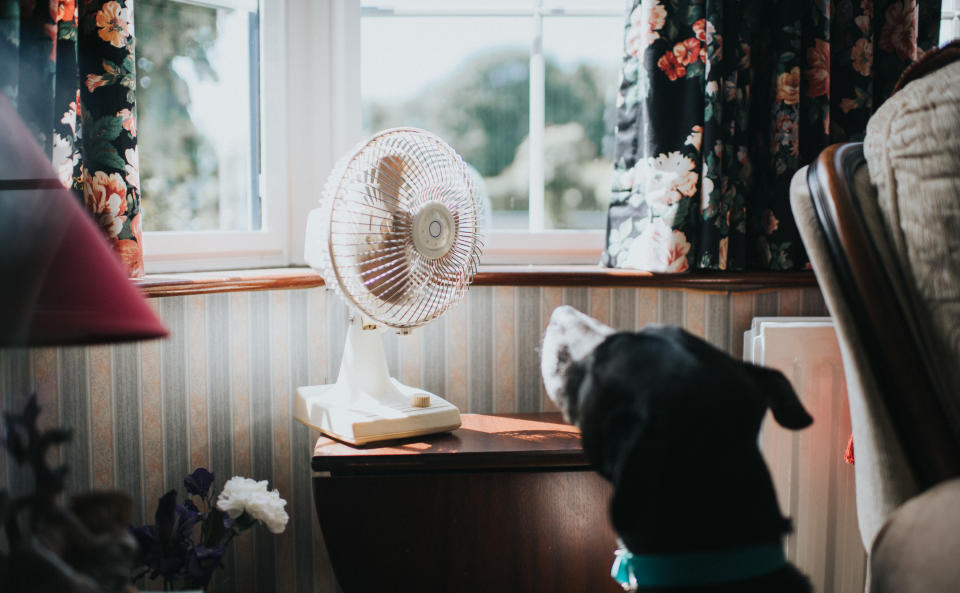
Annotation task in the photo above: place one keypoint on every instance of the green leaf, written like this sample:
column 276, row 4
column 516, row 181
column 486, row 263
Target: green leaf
column 104, row 156
column 111, row 69
column 685, row 210
column 107, row 127
column 781, row 258
column 672, row 31
column 711, row 163
column 67, row 32
column 244, row 522
column 213, row 530
column 694, row 70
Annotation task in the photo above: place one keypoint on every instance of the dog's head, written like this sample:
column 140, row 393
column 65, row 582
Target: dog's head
column 672, row 422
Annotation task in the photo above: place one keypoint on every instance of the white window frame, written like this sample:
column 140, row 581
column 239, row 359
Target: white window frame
column 310, row 115
column 182, row 251
column 950, row 17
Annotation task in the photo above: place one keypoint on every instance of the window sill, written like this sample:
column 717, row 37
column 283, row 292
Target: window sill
column 163, row 285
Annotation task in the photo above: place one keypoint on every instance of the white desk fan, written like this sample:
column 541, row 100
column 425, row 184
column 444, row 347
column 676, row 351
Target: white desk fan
column 396, row 236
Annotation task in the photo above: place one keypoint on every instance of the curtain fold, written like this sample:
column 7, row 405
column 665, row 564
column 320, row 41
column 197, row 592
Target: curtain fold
column 721, row 101
column 68, row 67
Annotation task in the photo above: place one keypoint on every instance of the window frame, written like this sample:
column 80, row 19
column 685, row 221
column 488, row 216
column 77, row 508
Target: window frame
column 310, row 115
column 950, row 17
column 181, row 251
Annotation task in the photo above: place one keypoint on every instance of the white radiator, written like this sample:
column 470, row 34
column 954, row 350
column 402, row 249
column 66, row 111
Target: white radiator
column 813, row 482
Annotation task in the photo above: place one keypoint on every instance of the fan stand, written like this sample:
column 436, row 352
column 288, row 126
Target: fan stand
column 366, row 405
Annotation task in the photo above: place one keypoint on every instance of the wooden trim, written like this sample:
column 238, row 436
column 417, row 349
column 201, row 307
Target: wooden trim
column 608, row 277
column 162, row 285
column 484, row 442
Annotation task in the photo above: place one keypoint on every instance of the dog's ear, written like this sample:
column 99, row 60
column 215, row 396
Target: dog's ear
column 569, row 339
column 780, row 397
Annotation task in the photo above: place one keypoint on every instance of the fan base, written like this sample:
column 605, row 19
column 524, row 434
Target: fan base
column 360, row 421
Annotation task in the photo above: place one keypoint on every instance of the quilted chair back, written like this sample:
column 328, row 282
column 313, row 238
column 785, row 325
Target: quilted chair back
column 881, row 223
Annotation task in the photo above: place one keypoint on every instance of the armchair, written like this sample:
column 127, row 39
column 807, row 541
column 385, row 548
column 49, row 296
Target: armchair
column 881, row 223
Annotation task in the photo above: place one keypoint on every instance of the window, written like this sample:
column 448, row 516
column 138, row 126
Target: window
column 246, row 105
column 949, row 21
column 524, row 91
column 199, row 136
column 203, row 164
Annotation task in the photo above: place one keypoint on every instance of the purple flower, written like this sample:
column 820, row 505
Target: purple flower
column 198, row 483
column 188, row 540
column 165, row 516
column 187, row 519
column 201, row 563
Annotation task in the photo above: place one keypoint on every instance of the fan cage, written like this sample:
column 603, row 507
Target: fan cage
column 370, row 201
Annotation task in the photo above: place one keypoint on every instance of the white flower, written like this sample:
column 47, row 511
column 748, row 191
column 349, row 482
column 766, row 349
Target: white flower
column 65, row 158
column 645, row 21
column 661, row 180
column 132, row 167
column 658, row 249
column 706, row 190
column 106, row 197
column 243, row 495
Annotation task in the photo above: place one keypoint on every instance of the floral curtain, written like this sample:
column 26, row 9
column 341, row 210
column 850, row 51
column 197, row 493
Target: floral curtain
column 721, row 101
column 68, row 66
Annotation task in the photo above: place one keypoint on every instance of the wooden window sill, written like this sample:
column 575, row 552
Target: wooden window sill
column 161, row 285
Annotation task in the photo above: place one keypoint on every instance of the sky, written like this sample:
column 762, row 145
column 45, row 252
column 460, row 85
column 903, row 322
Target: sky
column 401, row 55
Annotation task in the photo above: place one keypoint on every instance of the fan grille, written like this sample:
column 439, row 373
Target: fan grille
column 369, row 206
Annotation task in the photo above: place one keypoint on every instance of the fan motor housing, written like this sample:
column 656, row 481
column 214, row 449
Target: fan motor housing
column 433, row 230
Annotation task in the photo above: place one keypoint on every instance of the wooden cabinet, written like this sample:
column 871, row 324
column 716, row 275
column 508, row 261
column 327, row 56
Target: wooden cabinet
column 505, row 503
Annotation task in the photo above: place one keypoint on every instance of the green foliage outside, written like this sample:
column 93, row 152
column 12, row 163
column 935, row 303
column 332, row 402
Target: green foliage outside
column 178, row 169
column 483, row 112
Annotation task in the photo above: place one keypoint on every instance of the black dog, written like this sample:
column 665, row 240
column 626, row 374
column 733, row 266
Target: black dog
column 672, row 422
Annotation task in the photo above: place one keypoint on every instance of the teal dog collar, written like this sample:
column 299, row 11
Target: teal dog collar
column 703, row 568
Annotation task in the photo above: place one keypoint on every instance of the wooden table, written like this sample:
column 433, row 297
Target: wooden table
column 505, row 503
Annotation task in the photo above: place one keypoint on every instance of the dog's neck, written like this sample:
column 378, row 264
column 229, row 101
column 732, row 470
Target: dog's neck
column 696, row 569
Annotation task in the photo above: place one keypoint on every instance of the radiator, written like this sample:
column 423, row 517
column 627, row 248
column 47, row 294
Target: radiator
column 814, row 484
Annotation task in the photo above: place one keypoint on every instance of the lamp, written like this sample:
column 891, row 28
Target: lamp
column 60, row 283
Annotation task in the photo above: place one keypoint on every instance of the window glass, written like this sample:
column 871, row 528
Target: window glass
column 607, row 6
column 581, row 56
column 450, row 5
column 197, row 104
column 465, row 79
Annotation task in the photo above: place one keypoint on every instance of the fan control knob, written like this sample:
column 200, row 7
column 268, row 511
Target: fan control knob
column 420, row 400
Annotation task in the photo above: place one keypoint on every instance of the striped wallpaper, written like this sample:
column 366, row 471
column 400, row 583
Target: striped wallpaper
column 218, row 392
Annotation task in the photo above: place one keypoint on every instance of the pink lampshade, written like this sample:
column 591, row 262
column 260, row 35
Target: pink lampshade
column 60, row 283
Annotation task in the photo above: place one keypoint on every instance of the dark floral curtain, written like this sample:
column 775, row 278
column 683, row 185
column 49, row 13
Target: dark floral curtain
column 68, row 67
column 721, row 101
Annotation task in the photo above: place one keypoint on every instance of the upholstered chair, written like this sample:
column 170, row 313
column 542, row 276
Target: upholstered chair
column 881, row 223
